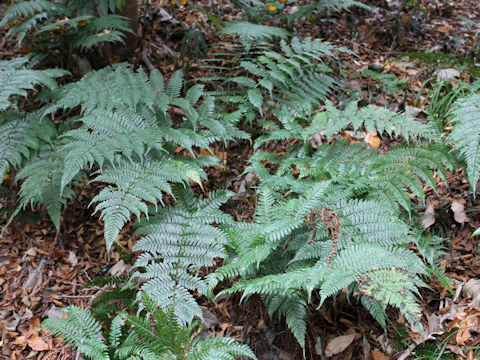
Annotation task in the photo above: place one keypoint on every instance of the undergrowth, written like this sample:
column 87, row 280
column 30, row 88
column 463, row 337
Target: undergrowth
column 333, row 217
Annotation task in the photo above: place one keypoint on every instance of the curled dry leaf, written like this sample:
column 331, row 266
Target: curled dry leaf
column 458, row 213
column 338, row 344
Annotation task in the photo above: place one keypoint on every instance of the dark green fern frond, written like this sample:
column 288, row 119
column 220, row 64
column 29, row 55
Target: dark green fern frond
column 219, row 348
column 29, row 8
column 294, row 308
column 466, row 134
column 252, row 32
column 81, row 330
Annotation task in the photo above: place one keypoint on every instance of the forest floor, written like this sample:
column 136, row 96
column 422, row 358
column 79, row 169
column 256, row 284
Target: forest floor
column 42, row 271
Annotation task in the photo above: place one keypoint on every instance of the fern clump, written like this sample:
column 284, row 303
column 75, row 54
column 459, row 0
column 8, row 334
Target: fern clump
column 323, row 240
column 332, row 217
column 150, row 334
column 128, row 134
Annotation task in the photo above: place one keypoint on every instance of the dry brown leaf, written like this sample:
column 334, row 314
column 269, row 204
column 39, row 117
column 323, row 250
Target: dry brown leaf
column 458, row 213
column 378, row 355
column 372, row 140
column 338, row 344
column 38, row 344
column 119, row 268
column 429, row 220
column 21, row 340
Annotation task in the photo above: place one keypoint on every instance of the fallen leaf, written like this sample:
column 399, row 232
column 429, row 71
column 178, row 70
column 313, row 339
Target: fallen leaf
column 338, row 344
column 21, row 340
column 119, row 268
column 72, row 258
column 443, row 28
column 472, row 290
column 458, row 213
column 378, row 355
column 447, row 74
column 372, row 140
column 38, row 344
column 429, row 220
column 31, row 252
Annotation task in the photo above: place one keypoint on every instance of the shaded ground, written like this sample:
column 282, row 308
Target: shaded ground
column 41, row 271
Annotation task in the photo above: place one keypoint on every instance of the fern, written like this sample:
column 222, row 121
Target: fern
column 29, row 8
column 295, row 260
column 16, row 79
column 81, row 330
column 152, row 334
column 130, row 136
column 21, row 134
column 82, row 25
column 41, row 186
column 374, row 118
column 337, row 223
column 466, row 134
column 389, row 177
column 178, row 241
column 253, row 31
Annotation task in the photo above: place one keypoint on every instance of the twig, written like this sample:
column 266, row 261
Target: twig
column 146, row 60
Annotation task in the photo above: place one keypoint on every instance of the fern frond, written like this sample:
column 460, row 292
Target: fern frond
column 252, row 31
column 41, row 177
column 29, row 8
column 16, row 79
column 135, row 183
column 374, row 118
column 176, row 243
column 81, row 330
column 466, row 134
column 21, row 134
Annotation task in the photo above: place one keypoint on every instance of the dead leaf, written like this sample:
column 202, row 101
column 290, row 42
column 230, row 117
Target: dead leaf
column 119, row 268
column 429, row 220
column 31, row 252
column 472, row 290
column 372, row 140
column 458, row 213
column 445, row 29
column 378, row 355
column 447, row 74
column 38, row 344
column 72, row 258
column 338, row 344
column 21, row 340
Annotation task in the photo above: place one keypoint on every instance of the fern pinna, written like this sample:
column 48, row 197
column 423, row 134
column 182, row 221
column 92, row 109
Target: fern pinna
column 150, row 334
